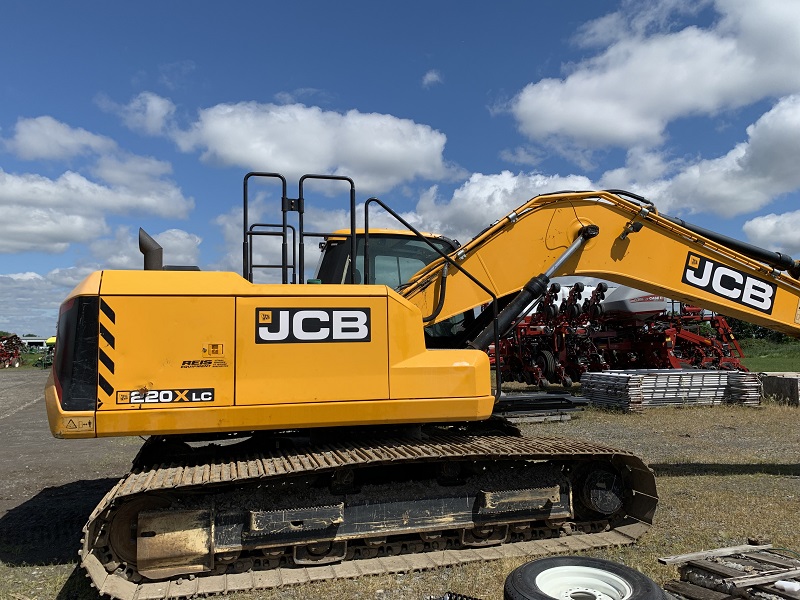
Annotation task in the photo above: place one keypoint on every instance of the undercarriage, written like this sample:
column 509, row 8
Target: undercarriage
column 193, row 519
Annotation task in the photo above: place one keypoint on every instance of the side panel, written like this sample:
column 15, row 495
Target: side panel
column 174, row 352
column 187, row 360
column 420, row 373
column 296, row 349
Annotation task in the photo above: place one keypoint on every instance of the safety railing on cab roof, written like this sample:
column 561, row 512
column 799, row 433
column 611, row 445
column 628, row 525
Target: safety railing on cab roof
column 298, row 237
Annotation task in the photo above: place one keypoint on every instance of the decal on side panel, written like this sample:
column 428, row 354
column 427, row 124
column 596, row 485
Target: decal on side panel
column 166, row 396
column 310, row 325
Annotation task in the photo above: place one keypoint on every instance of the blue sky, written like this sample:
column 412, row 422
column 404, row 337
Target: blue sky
column 120, row 115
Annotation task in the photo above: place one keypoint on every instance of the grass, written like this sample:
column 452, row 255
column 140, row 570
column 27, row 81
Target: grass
column 764, row 355
column 28, row 360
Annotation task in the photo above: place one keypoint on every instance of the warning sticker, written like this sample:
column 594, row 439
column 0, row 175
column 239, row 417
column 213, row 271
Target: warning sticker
column 76, row 424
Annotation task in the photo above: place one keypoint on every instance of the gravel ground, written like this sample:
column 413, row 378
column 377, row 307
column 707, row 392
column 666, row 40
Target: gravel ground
column 724, row 473
column 43, row 477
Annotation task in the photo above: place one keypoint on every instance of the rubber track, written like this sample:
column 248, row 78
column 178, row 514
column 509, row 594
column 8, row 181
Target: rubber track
column 237, row 470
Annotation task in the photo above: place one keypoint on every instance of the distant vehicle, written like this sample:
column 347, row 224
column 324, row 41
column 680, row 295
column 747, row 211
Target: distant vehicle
column 10, row 346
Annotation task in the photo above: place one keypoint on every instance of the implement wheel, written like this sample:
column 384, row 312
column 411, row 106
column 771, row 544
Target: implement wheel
column 579, row 578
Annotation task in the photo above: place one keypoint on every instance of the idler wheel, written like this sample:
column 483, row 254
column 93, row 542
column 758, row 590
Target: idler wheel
column 124, row 523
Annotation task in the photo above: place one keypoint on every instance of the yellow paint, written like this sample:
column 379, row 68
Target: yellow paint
column 290, row 416
column 160, row 363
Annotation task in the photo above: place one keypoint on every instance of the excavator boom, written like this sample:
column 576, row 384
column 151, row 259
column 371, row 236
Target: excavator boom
column 633, row 246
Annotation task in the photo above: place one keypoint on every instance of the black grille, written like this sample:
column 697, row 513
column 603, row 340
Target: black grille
column 75, row 364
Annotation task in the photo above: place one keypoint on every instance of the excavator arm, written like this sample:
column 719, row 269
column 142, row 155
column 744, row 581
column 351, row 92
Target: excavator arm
column 616, row 236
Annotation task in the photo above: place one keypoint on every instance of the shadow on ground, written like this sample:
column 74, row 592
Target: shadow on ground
column 693, row 469
column 77, row 586
column 46, row 529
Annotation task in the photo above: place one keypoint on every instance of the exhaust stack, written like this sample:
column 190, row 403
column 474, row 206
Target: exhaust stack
column 152, row 251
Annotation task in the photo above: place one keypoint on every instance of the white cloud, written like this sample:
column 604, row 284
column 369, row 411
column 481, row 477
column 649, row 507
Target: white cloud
column 626, row 95
column 68, row 277
column 29, row 276
column 47, row 214
column 431, row 78
column 744, row 180
column 643, row 168
column 118, row 252
column 139, row 183
column 45, row 138
column 379, row 151
column 180, row 247
column 776, row 232
column 230, row 226
column 147, row 113
column 484, row 199
column 637, row 18
column 30, row 304
column 35, row 229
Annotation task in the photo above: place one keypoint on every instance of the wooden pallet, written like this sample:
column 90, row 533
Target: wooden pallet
column 746, row 571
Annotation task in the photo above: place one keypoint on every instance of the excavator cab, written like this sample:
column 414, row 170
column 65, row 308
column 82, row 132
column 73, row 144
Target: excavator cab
column 394, row 256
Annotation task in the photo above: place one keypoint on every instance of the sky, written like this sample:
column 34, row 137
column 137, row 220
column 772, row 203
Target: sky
column 115, row 116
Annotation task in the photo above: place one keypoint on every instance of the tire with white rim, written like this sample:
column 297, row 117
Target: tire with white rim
column 579, row 578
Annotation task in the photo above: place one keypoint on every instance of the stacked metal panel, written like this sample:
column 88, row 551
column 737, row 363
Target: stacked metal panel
column 639, row 389
column 745, row 388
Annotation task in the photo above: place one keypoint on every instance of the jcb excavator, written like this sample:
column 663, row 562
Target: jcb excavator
column 326, row 429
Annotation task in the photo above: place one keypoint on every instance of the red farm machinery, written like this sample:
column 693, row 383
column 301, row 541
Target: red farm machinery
column 577, row 329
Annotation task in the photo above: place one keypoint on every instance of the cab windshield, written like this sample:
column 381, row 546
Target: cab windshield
column 393, row 259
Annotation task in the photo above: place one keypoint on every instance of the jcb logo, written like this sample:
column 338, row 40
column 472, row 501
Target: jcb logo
column 729, row 283
column 283, row 325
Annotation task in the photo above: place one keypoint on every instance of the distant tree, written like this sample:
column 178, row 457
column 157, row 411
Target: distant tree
column 30, row 335
column 744, row 330
column 4, row 333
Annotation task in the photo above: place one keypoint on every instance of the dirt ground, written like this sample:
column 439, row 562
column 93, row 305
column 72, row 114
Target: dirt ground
column 723, row 474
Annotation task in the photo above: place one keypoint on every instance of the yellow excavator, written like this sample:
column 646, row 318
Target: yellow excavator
column 340, row 425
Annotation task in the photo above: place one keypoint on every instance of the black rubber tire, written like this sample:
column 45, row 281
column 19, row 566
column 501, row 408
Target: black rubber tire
column 547, row 363
column 521, row 583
